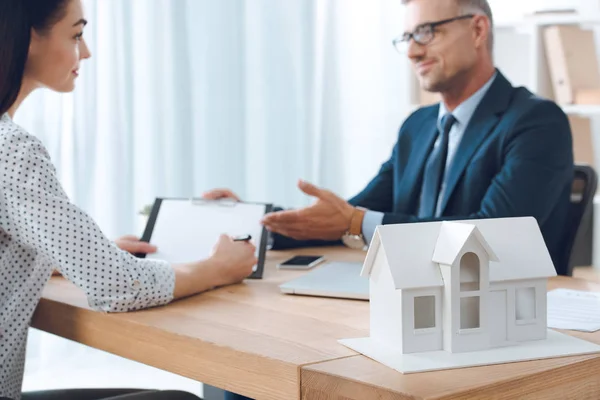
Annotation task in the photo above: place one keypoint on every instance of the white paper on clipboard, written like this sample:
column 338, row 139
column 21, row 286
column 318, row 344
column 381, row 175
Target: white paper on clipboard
column 186, row 230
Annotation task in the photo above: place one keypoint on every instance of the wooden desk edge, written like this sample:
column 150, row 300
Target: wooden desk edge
column 573, row 374
column 101, row 331
column 151, row 346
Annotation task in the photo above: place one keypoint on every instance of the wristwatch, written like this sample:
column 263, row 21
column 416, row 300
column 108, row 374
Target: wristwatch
column 353, row 237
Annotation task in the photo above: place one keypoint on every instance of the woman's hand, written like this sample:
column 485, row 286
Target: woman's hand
column 235, row 260
column 229, row 263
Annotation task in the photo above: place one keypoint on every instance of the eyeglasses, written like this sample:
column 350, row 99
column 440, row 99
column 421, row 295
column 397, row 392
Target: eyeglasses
column 423, row 34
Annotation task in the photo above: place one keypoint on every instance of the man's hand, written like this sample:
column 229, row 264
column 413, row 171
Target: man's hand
column 328, row 219
column 220, row 194
column 133, row 245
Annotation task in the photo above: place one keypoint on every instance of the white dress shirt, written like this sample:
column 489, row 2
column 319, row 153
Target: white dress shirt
column 40, row 230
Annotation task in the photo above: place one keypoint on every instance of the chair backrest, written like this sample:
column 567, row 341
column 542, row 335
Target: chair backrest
column 585, row 183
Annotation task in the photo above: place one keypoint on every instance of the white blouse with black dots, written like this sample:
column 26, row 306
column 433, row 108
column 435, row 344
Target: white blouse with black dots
column 41, row 230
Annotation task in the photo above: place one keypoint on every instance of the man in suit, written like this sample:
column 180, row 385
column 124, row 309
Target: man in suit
column 488, row 150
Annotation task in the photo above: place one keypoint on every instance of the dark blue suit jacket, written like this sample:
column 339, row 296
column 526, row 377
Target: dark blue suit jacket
column 515, row 159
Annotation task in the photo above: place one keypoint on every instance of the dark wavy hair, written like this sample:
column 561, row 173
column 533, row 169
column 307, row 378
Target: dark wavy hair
column 17, row 19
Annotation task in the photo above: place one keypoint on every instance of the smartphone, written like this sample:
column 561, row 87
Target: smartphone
column 301, row 262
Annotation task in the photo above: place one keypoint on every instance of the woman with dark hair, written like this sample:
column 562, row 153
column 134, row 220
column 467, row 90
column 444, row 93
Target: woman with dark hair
column 42, row 45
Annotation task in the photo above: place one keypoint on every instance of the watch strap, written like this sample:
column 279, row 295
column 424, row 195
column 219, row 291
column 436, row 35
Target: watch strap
column 356, row 221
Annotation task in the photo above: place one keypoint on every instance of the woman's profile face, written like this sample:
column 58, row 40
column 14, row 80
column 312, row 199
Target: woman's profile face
column 55, row 55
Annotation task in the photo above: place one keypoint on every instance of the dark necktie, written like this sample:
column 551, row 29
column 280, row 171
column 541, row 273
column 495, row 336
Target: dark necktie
column 434, row 171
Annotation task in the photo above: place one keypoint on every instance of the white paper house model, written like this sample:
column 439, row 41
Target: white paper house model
column 460, row 294
column 458, row 286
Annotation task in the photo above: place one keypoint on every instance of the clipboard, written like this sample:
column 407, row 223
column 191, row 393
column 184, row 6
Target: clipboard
column 185, row 230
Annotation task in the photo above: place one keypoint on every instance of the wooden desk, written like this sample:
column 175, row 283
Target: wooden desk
column 587, row 273
column 253, row 340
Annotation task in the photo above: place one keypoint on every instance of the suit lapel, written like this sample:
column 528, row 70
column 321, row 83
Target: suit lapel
column 485, row 119
column 420, row 150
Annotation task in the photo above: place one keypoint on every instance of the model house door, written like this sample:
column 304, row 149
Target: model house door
column 498, row 317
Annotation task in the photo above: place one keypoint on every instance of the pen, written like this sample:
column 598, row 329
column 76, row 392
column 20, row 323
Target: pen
column 245, row 238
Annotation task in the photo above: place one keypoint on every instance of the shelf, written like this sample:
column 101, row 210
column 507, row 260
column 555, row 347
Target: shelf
column 566, row 19
column 582, row 110
column 549, row 19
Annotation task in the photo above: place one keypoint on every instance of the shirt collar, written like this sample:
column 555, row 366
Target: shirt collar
column 464, row 112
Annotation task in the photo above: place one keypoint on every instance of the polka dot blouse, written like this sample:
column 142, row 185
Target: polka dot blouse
column 40, row 230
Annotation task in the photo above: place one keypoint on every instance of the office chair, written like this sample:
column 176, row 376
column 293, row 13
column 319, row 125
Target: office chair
column 585, row 183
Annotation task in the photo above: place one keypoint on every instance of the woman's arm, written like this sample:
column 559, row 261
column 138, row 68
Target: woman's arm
column 35, row 211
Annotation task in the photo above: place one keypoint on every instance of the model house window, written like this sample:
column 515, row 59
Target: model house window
column 424, row 312
column 469, row 312
column 470, row 295
column 525, row 304
column 469, row 273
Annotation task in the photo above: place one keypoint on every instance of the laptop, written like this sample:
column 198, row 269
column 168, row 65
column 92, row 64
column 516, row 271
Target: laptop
column 334, row 279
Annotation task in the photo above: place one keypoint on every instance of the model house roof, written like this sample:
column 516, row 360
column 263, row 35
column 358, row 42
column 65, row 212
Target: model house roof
column 453, row 237
column 409, row 249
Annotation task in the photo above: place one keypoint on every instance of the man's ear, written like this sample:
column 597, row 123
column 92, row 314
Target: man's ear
column 481, row 30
